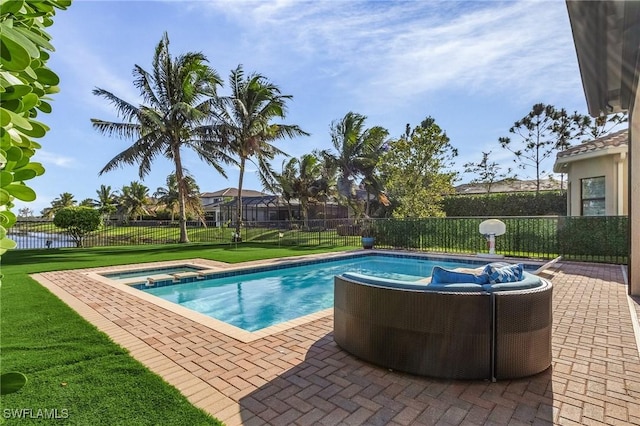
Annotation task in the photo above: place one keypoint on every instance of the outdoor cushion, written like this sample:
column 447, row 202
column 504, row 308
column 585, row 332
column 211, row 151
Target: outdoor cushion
column 504, row 274
column 441, row 275
column 411, row 285
column 528, row 281
column 384, row 282
column 456, row 287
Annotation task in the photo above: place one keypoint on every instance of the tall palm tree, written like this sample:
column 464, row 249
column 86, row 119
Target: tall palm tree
column 179, row 95
column 134, row 199
column 371, row 180
column 307, row 171
column 106, row 201
column 246, row 126
column 283, row 184
column 324, row 188
column 64, row 200
column 169, row 196
column 357, row 150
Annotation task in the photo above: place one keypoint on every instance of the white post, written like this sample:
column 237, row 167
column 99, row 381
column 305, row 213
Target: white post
column 492, row 243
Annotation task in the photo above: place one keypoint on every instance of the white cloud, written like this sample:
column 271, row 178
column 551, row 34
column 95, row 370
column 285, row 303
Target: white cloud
column 49, row 158
column 407, row 49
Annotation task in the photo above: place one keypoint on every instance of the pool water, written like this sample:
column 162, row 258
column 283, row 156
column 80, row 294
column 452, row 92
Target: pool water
column 148, row 272
column 253, row 301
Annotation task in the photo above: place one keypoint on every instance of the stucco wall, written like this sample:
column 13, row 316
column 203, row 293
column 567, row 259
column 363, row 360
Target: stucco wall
column 595, row 167
column 634, row 192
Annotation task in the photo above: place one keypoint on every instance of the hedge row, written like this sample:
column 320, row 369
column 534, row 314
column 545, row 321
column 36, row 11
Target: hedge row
column 511, row 204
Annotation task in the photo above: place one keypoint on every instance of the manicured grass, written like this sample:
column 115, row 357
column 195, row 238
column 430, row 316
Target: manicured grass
column 33, row 261
column 72, row 366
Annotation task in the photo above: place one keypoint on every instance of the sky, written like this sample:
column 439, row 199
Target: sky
column 475, row 67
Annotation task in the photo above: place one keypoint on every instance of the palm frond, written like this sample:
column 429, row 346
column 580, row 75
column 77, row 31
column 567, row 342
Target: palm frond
column 124, row 109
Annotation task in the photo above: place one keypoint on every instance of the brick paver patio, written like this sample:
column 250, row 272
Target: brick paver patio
column 299, row 375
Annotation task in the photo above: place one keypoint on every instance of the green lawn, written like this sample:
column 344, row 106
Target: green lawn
column 72, row 366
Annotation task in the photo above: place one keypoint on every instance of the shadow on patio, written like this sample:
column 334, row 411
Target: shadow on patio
column 594, row 379
column 330, row 387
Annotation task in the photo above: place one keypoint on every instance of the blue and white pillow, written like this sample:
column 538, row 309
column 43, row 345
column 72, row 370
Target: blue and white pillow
column 504, row 274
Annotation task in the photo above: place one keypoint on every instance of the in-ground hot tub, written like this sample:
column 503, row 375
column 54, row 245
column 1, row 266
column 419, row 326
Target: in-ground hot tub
column 456, row 331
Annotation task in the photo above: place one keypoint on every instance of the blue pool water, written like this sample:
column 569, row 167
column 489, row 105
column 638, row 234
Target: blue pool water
column 256, row 300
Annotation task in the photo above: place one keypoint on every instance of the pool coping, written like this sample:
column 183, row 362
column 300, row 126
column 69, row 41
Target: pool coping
column 240, row 334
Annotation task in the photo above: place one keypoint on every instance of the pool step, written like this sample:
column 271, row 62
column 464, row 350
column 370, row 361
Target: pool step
column 181, row 275
column 203, row 274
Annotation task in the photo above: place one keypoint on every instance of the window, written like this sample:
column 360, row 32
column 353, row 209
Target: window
column 592, row 194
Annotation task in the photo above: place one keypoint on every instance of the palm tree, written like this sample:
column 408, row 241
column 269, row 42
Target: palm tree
column 64, row 200
column 25, row 212
column 134, row 199
column 306, row 172
column 106, row 201
column 357, row 151
column 283, row 184
column 169, row 196
column 179, row 96
column 325, row 187
column 371, row 180
column 246, row 127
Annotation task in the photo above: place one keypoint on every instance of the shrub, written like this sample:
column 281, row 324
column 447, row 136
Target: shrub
column 78, row 222
column 594, row 236
column 509, row 204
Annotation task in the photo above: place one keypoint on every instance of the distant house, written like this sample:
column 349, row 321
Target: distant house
column 216, row 205
column 508, row 185
column 597, row 176
column 220, row 207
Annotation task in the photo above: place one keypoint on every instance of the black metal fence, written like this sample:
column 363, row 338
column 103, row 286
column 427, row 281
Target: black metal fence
column 594, row 239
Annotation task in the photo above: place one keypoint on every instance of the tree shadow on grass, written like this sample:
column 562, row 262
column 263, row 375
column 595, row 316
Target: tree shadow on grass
column 331, row 386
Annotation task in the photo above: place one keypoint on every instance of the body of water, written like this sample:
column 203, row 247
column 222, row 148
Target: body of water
column 38, row 240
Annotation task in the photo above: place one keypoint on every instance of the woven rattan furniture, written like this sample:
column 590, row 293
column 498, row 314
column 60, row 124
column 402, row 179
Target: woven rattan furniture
column 461, row 333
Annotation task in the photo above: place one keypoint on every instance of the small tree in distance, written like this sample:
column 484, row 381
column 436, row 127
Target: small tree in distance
column 78, row 222
column 488, row 172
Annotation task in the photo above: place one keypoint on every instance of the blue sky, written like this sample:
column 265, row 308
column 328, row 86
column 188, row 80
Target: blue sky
column 476, row 67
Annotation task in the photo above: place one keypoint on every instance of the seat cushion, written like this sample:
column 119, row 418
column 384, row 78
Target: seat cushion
column 528, row 281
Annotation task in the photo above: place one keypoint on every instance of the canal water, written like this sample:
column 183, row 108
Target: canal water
column 37, row 240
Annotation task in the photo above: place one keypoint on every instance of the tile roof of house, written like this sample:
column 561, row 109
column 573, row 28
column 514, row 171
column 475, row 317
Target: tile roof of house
column 233, row 192
column 508, row 185
column 615, row 139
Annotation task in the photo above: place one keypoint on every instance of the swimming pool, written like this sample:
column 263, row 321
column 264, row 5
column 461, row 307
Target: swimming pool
column 255, row 299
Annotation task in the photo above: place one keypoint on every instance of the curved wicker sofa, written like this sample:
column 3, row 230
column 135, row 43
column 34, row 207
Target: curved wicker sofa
column 454, row 331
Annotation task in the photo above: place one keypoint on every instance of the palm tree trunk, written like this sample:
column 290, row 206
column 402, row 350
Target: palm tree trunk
column 305, row 213
column 289, row 210
column 184, row 238
column 239, row 208
column 367, row 205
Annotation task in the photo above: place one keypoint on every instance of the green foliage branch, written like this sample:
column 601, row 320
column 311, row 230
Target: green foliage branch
column 416, row 171
column 25, row 85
